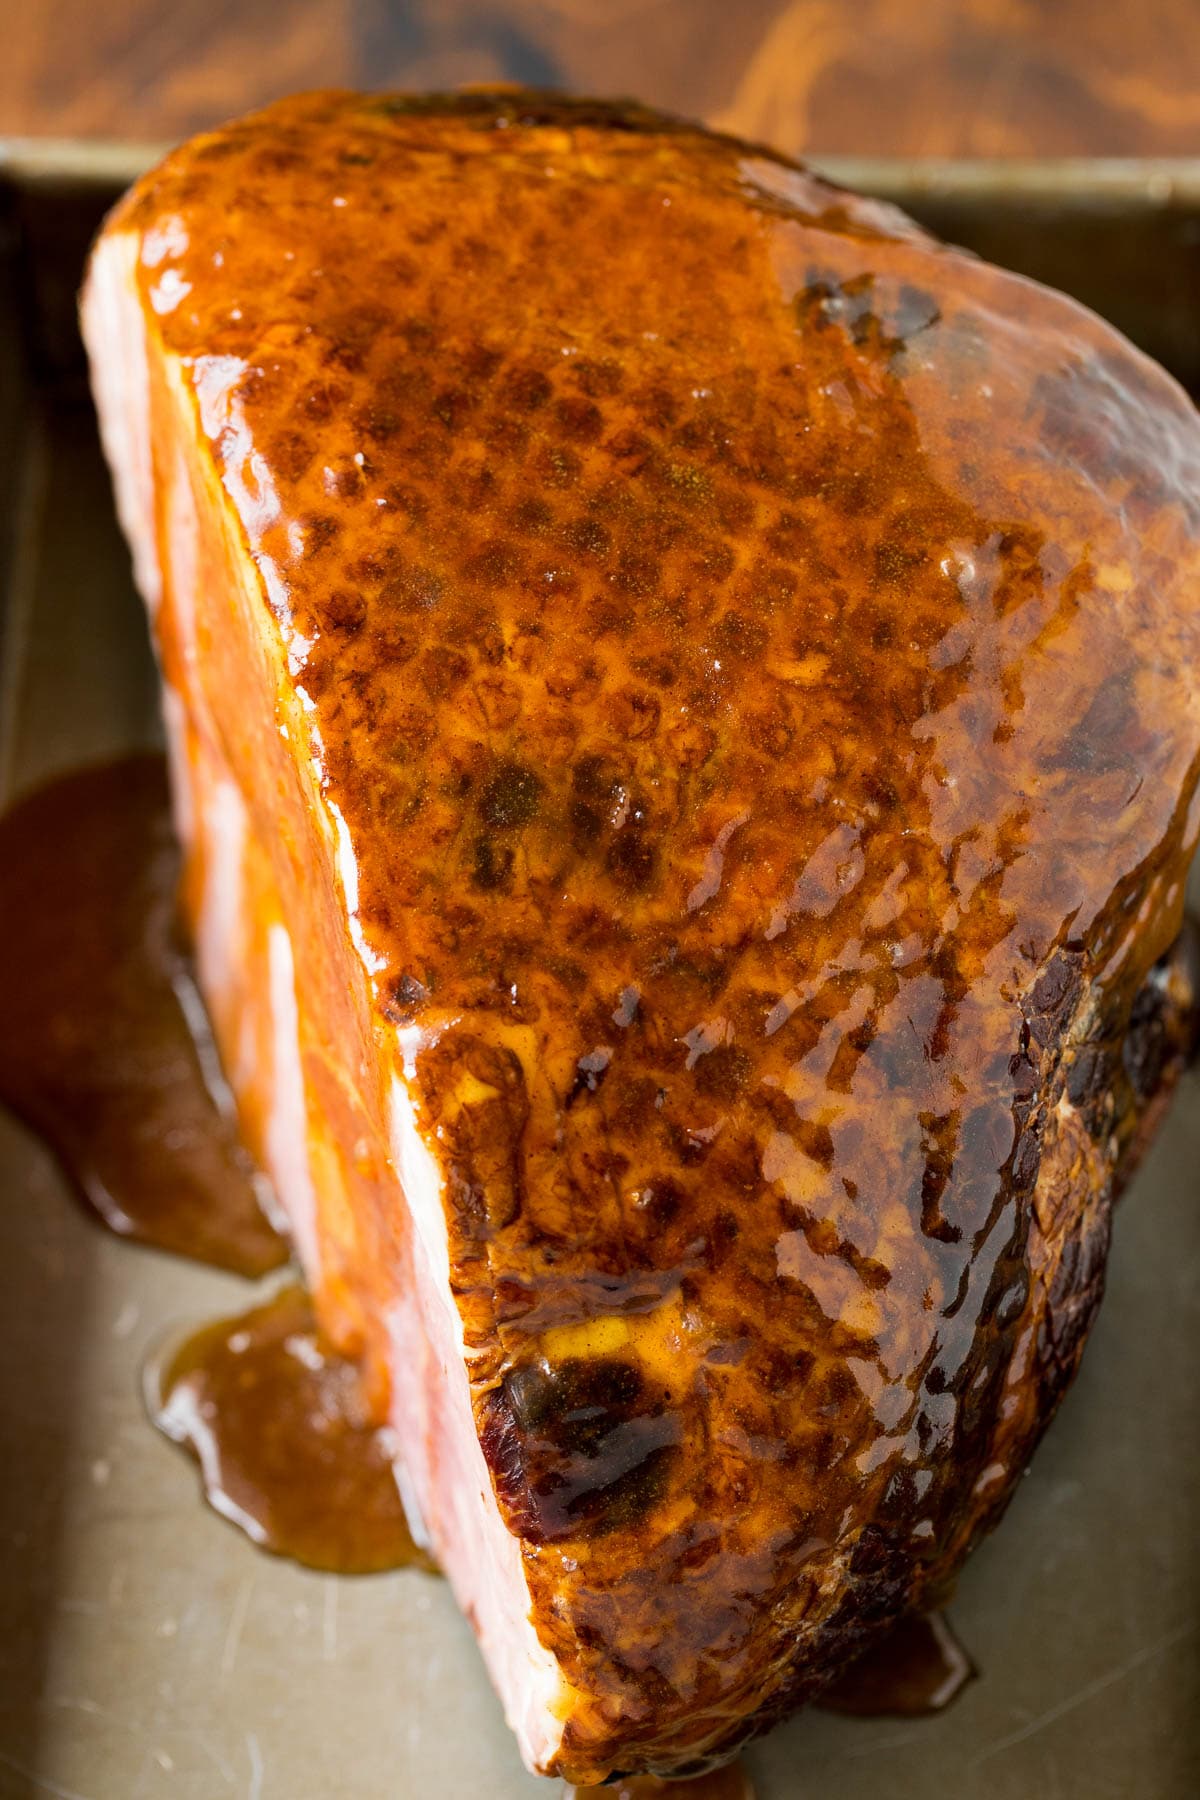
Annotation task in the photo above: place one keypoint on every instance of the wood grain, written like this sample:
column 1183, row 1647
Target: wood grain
column 899, row 77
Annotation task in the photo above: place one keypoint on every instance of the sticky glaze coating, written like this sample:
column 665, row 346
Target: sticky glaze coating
column 751, row 649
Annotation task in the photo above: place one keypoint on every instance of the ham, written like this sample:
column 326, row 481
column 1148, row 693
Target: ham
column 682, row 728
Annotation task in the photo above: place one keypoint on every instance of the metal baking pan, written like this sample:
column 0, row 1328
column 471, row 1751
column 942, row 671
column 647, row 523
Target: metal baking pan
column 146, row 1649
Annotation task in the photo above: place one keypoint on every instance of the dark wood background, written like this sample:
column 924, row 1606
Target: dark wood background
column 918, row 77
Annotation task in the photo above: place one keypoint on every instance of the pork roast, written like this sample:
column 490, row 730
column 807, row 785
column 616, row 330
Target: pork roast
column 682, row 704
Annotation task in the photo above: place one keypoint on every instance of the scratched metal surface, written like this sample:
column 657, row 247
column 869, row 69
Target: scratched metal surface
column 147, row 1651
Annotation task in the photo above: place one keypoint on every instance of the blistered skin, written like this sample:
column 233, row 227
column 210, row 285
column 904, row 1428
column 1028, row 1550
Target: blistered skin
column 751, row 651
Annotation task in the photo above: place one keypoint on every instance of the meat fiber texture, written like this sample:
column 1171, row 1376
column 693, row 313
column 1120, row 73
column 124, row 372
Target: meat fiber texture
column 683, row 724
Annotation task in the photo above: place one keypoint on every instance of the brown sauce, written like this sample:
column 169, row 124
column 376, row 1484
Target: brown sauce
column 919, row 1668
column 97, row 1052
column 274, row 1418
column 730, row 1783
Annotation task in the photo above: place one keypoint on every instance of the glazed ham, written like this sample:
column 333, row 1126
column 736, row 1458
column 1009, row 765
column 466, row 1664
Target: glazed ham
column 683, row 723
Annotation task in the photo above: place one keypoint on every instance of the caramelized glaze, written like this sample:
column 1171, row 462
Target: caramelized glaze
column 99, row 1050
column 744, row 652
column 918, row 1668
column 275, row 1419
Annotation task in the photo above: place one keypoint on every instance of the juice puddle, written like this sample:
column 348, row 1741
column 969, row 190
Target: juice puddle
column 919, row 1668
column 273, row 1416
column 103, row 1046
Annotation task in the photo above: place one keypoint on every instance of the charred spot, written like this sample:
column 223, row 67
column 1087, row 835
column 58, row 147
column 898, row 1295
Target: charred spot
column 661, row 1199
column 656, row 669
column 733, row 510
column 631, row 858
column 532, row 516
column 827, row 300
column 637, row 576
column 723, row 1072
column 491, row 865
column 319, row 531
column 525, row 388
column 709, row 974
column 346, row 353
column 1023, row 1071
column 452, row 407
column 403, row 999
column 781, row 1371
column 342, row 610
column 511, row 798
column 394, row 645
column 579, row 1449
column 377, row 422
column 596, row 377
column 408, row 501
column 637, row 714
column 629, row 447
column 414, row 589
column 736, row 635
column 587, row 536
column 291, row 454
column 1027, row 1157
column 766, row 586
column 572, row 975
column 1087, row 1075
column 592, row 777
column 723, row 1234
column 342, row 480
column 495, row 564
column 789, row 538
column 579, row 418
column 847, row 491
column 479, row 362
column 418, row 334
column 712, row 558
column 657, row 406
column 443, row 670
column 587, row 822
column 1052, row 999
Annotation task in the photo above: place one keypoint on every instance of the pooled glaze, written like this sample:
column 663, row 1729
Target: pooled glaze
column 740, row 651
column 730, row 1783
column 917, row 1669
column 103, row 1041
column 276, row 1421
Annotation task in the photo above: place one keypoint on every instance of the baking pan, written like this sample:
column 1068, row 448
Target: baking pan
column 146, row 1649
